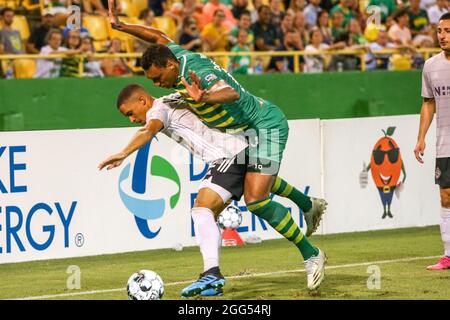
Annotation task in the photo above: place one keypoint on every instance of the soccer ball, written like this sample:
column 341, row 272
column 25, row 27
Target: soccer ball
column 145, row 285
column 230, row 218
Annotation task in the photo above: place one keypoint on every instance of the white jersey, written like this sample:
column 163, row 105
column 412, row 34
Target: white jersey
column 185, row 128
column 436, row 84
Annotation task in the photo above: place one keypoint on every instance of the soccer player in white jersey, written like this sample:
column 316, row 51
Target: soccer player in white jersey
column 224, row 180
column 436, row 99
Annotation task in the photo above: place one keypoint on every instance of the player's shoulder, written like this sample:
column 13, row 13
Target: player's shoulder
column 433, row 62
column 170, row 101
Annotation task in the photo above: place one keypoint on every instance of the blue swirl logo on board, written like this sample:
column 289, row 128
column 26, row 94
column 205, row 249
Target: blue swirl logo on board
column 146, row 210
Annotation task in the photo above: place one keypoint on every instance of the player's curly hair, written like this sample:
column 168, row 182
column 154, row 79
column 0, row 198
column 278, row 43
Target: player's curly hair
column 156, row 55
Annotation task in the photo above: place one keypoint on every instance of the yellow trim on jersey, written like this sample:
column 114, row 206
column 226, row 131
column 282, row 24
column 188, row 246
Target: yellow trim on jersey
column 224, row 124
column 207, row 110
column 217, row 116
column 195, row 105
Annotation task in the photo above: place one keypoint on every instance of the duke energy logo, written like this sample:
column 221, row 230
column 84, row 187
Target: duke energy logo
column 143, row 209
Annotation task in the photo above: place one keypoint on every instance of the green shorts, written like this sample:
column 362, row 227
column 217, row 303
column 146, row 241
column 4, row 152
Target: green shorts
column 267, row 139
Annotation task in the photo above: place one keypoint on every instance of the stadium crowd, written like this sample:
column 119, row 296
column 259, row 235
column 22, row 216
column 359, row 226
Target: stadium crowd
column 221, row 25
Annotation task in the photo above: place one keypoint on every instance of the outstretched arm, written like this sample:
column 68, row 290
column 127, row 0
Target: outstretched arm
column 145, row 33
column 141, row 137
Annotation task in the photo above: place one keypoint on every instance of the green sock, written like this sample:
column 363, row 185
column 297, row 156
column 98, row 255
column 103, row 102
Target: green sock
column 283, row 189
column 281, row 220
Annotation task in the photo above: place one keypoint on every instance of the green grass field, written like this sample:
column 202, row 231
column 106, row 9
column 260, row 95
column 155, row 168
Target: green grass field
column 271, row 270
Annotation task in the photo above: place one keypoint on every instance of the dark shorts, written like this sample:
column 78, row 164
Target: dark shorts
column 228, row 174
column 442, row 172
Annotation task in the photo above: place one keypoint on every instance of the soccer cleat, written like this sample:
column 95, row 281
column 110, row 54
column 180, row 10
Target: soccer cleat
column 314, row 215
column 315, row 270
column 211, row 292
column 443, row 263
column 210, row 279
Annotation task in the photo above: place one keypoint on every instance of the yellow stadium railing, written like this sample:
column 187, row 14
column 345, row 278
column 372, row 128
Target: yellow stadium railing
column 426, row 52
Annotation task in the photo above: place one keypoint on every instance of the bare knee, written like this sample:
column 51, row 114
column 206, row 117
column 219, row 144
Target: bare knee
column 445, row 198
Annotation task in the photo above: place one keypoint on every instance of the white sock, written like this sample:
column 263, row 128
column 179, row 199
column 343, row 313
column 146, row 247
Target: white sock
column 208, row 236
column 445, row 229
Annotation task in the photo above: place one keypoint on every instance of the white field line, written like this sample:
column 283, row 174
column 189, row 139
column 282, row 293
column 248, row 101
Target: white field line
column 341, row 266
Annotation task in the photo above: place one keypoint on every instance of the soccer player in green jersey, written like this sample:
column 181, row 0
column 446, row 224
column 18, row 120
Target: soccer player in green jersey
column 219, row 101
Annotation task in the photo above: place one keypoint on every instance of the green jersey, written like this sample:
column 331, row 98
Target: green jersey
column 239, row 114
column 267, row 123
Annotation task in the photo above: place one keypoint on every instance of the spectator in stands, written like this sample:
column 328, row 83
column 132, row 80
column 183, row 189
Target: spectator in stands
column 341, row 62
column 291, row 42
column 287, row 23
column 189, row 38
column 427, row 4
column 158, row 6
column 324, row 28
column 37, row 37
column 267, row 35
column 244, row 23
column 317, row 63
column 387, row 7
column 254, row 13
column 240, row 64
column 239, row 6
column 297, row 5
column 215, row 36
column 327, row 5
column 210, row 9
column 115, row 66
column 300, row 25
column 436, row 11
column 70, row 65
column 373, row 61
column 92, row 67
column 59, row 8
column 345, row 6
column 73, row 40
column 421, row 32
column 418, row 18
column 276, row 12
column 12, row 41
column 311, row 12
column 50, row 68
column 399, row 33
column 355, row 33
column 176, row 12
column 337, row 24
column 148, row 18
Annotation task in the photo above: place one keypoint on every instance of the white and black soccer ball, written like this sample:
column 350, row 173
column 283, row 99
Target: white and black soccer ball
column 145, row 285
column 230, row 218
